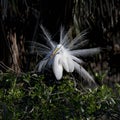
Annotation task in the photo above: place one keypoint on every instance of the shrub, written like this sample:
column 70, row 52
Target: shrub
column 27, row 97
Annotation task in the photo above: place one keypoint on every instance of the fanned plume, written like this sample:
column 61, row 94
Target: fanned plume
column 65, row 55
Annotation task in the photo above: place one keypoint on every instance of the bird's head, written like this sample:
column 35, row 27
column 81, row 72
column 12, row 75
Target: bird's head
column 59, row 49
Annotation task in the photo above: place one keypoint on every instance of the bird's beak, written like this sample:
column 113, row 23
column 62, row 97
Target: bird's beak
column 54, row 52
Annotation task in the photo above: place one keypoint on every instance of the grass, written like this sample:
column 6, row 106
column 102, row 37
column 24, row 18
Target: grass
column 28, row 97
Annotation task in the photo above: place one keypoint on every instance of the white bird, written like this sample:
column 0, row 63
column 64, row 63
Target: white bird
column 65, row 55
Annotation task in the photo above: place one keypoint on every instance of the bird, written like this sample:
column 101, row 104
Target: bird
column 65, row 55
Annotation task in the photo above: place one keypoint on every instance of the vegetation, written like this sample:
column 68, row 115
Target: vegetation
column 28, row 97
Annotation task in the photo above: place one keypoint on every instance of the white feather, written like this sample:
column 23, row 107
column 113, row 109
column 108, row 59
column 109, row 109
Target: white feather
column 57, row 67
column 65, row 41
column 83, row 73
column 52, row 45
column 62, row 35
column 78, row 39
column 42, row 65
column 65, row 63
column 78, row 60
column 85, row 52
column 70, row 64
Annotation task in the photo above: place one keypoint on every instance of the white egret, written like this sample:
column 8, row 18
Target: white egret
column 65, row 55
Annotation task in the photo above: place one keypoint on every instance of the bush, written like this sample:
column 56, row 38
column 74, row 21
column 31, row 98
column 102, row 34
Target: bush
column 27, row 97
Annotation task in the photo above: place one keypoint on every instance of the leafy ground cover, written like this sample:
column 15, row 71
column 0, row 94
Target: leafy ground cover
column 28, row 97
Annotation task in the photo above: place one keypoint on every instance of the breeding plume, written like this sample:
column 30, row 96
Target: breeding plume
column 66, row 55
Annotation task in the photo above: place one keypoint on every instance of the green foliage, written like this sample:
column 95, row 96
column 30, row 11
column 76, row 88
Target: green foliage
column 28, row 97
